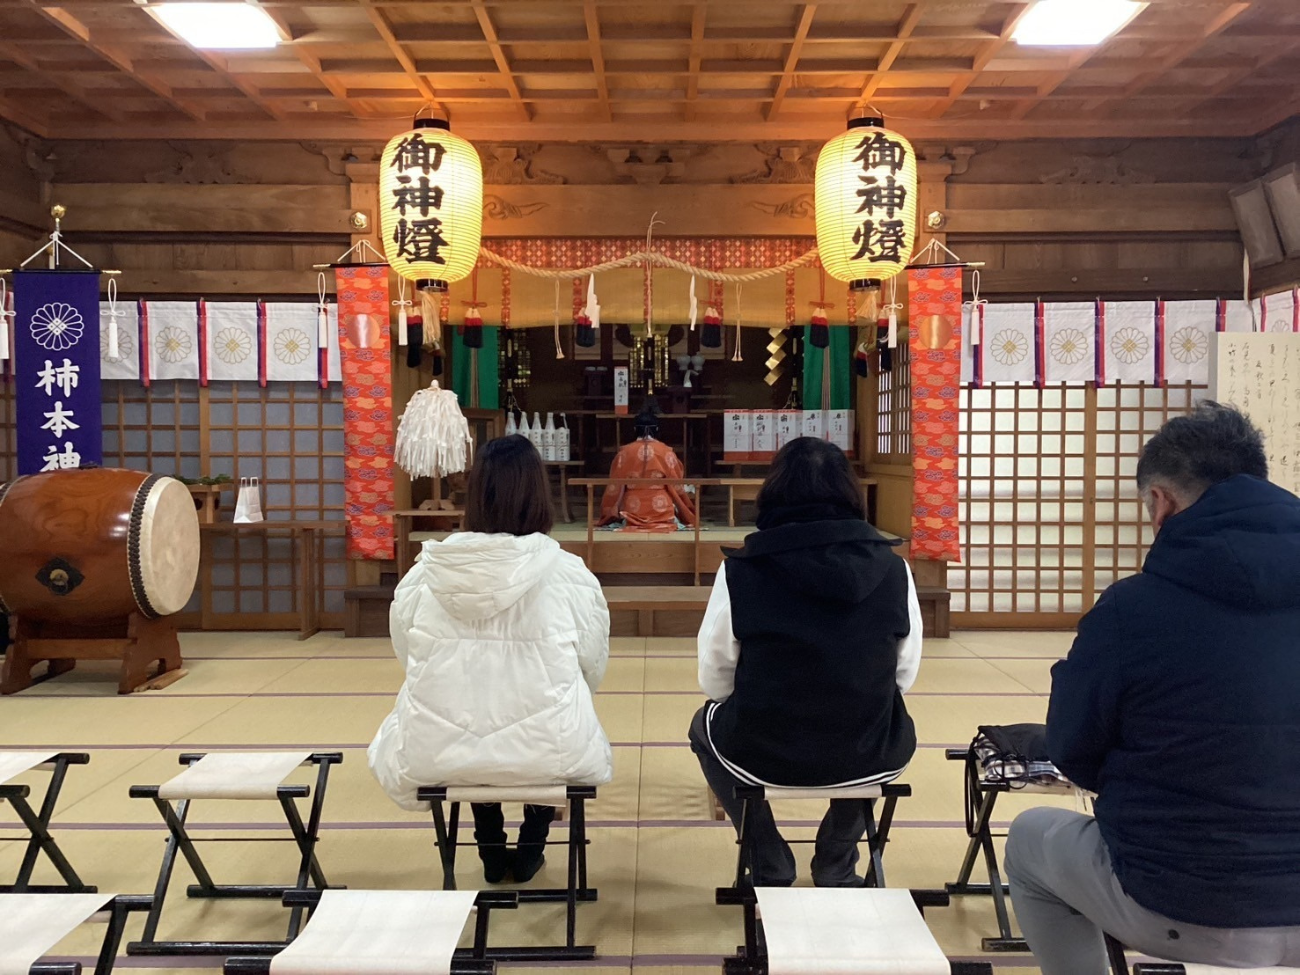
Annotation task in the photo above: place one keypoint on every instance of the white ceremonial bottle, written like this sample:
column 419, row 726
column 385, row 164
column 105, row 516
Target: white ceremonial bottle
column 535, row 431
column 511, row 426
column 548, row 439
column 562, row 440
column 523, row 430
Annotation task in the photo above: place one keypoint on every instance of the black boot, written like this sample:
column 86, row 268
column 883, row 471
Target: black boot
column 530, row 857
column 490, row 834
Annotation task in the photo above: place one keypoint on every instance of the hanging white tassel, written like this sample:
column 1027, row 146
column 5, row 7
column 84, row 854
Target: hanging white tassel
column 322, row 315
column 402, row 304
column 893, row 329
column 736, row 356
column 6, row 315
column 693, row 304
column 559, row 349
column 892, row 338
column 433, row 436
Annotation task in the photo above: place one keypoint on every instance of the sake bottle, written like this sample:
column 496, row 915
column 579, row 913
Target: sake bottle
column 548, row 438
column 535, row 431
column 524, row 430
column 511, row 426
column 562, row 440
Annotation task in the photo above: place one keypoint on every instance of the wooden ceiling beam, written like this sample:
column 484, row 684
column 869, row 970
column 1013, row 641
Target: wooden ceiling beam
column 399, row 52
column 312, row 63
column 792, row 59
column 21, row 116
column 695, row 59
column 61, row 80
column 597, row 57
column 77, row 30
column 499, row 56
column 1241, row 75
column 985, row 57
column 1180, row 54
column 907, row 25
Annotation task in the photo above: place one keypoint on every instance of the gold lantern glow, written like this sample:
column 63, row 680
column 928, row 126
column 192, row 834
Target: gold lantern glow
column 866, row 203
column 431, row 205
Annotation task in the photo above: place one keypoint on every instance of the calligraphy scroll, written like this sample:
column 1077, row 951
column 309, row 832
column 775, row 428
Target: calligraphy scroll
column 56, row 359
column 364, row 351
column 935, row 318
column 1260, row 375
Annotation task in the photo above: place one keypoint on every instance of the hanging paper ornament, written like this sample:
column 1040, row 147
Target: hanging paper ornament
column 431, row 205
column 588, row 319
column 694, row 305
column 819, row 333
column 865, row 197
column 775, row 355
column 402, row 304
column 711, row 333
column 433, row 436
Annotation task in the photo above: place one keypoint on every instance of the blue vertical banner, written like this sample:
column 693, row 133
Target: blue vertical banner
column 56, row 370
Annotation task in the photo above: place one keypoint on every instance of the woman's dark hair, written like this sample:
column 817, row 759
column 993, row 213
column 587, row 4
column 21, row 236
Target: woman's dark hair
column 807, row 471
column 509, row 492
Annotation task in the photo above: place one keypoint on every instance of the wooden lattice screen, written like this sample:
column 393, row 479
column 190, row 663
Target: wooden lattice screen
column 894, row 410
column 1050, row 515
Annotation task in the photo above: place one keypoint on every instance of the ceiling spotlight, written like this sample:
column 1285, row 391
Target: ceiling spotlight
column 1074, row 23
column 219, row 26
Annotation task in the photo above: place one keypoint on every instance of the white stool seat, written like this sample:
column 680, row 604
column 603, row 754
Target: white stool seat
column 13, row 764
column 1194, row 969
column 234, row 775
column 830, row 792
column 839, row 931
column 534, row 795
column 32, row 924
column 379, row 932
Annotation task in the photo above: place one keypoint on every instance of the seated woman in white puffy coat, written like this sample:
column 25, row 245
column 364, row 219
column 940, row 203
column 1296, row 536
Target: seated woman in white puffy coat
column 504, row 638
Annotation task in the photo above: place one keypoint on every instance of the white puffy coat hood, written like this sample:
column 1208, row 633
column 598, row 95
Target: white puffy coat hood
column 505, row 640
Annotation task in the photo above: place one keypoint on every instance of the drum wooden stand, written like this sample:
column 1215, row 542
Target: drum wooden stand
column 136, row 641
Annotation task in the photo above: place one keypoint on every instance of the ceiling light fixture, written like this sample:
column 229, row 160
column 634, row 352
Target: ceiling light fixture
column 1074, row 23
column 218, row 26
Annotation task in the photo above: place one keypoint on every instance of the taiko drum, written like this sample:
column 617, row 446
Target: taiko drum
column 96, row 545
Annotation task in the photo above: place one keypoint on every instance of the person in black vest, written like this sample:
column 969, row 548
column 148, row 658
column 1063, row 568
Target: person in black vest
column 1179, row 705
column 811, row 637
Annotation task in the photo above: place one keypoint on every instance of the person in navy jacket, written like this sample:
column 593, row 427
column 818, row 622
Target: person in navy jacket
column 1179, row 705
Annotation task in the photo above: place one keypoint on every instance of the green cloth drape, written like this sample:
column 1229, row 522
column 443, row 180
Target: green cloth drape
column 841, row 351
column 489, row 383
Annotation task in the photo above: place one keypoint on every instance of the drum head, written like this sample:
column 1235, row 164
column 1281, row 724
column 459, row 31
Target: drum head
column 169, row 547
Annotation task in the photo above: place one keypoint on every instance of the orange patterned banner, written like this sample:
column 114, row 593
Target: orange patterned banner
column 935, row 317
column 367, row 409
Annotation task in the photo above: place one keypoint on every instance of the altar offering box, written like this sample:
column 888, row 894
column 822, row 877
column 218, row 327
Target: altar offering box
column 764, row 435
column 622, row 386
column 788, row 427
column 813, row 423
column 737, row 435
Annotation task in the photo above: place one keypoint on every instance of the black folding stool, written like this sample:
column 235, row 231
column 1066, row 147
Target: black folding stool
column 466, row 961
column 981, row 797
column 114, row 911
column 446, row 827
column 38, row 823
column 876, row 836
column 306, row 837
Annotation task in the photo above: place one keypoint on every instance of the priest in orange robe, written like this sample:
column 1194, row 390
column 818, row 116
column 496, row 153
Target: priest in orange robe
column 652, row 508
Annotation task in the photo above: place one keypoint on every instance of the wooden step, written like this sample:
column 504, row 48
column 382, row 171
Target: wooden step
column 366, row 610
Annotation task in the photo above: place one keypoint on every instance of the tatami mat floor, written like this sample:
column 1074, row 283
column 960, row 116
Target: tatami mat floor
column 656, row 854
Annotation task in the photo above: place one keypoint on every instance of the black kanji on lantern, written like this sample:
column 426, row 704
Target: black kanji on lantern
column 888, row 195
column 414, row 152
column 883, row 241
column 419, row 195
column 880, row 150
column 420, row 240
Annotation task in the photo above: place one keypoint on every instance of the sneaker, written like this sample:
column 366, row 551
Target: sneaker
column 496, row 864
column 527, row 864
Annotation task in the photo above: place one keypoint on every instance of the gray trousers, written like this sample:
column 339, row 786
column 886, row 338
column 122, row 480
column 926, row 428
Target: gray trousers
column 1066, row 895
column 835, row 860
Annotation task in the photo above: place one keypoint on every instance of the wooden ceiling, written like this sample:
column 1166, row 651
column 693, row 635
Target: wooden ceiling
column 567, row 70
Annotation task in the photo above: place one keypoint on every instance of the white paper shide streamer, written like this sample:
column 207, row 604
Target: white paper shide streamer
column 592, row 311
column 693, row 303
column 433, row 435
